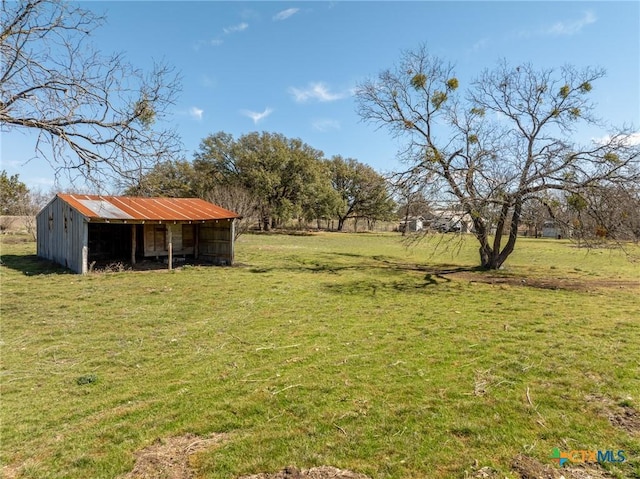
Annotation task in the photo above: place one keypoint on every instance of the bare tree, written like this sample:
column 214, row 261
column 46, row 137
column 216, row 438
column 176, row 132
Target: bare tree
column 94, row 114
column 504, row 145
column 238, row 199
column 603, row 213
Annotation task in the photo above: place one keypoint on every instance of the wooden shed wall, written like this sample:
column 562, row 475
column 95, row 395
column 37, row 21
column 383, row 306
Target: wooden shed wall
column 156, row 239
column 215, row 242
column 62, row 235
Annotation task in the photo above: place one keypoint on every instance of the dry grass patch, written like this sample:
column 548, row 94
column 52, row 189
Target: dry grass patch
column 170, row 458
column 322, row 472
column 530, row 468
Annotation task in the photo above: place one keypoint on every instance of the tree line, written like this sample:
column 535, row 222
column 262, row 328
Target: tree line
column 271, row 180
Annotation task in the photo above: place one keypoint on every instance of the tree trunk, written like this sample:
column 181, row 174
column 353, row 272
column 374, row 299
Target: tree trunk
column 340, row 223
column 494, row 258
column 406, row 223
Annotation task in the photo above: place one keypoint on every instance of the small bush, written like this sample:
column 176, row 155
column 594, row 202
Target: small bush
column 86, row 379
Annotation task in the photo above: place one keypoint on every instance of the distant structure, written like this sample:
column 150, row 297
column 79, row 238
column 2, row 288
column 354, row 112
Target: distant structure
column 550, row 229
column 77, row 230
column 451, row 221
column 412, row 224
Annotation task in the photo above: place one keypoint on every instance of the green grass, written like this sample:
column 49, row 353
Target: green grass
column 340, row 349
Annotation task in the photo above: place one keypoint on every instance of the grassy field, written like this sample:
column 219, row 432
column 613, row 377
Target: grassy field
column 339, row 349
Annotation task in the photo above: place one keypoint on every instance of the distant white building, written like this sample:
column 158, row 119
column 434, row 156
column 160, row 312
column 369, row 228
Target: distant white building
column 412, row 224
column 450, row 221
column 550, row 229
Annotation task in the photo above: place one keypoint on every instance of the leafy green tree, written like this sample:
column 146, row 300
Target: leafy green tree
column 506, row 143
column 280, row 172
column 322, row 200
column 14, row 195
column 174, row 179
column 215, row 162
column 362, row 191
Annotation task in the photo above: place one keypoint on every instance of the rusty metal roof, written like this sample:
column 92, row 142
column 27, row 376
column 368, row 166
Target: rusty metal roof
column 98, row 207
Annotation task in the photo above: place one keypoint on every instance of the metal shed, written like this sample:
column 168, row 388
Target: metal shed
column 76, row 230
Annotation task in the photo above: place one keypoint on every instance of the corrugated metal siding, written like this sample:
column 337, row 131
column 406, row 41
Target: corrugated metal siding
column 62, row 235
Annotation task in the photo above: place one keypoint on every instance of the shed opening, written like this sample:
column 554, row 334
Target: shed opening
column 112, row 241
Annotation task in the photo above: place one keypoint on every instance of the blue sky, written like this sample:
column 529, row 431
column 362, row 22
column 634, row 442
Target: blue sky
column 291, row 67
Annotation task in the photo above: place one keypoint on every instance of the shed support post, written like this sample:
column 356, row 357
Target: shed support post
column 170, row 240
column 84, row 267
column 133, row 244
column 196, row 241
column 233, row 241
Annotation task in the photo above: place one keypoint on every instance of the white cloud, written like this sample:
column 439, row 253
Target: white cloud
column 207, row 81
column 325, row 124
column 196, row 113
column 217, row 41
column 256, row 116
column 634, row 138
column 40, row 181
column 480, row 45
column 571, row 27
column 214, row 42
column 561, row 28
column 240, row 27
column 284, row 14
column 631, row 139
column 315, row 91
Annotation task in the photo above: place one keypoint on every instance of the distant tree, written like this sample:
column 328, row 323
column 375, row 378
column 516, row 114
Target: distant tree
column 18, row 200
column 605, row 213
column 238, row 199
column 507, row 143
column 280, row 172
column 362, row 191
column 321, row 200
column 94, row 115
column 536, row 213
column 14, row 195
column 174, row 179
column 215, row 162
column 412, row 197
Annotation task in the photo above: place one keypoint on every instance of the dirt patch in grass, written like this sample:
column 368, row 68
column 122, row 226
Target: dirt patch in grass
column 322, row 472
column 626, row 418
column 530, row 468
column 621, row 415
column 485, row 472
column 169, row 458
column 569, row 284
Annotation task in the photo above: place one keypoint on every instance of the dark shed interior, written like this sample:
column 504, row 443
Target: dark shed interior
column 112, row 241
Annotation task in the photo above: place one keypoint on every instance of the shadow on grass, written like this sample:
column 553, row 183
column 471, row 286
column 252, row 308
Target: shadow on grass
column 402, row 283
column 31, row 265
column 381, row 273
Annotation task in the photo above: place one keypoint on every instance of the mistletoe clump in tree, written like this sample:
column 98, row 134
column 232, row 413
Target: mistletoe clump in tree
column 505, row 144
column 94, row 116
